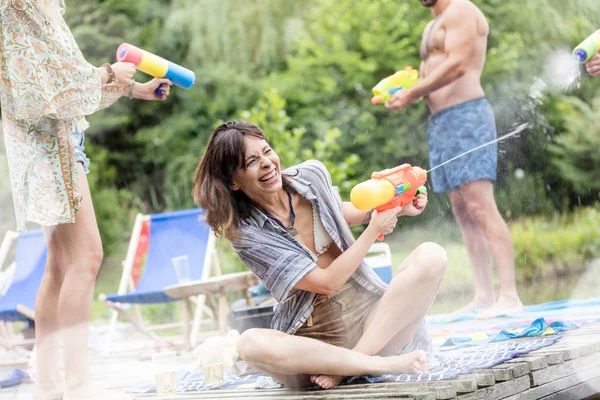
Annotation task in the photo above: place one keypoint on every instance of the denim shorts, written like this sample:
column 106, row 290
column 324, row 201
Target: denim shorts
column 78, row 138
column 455, row 130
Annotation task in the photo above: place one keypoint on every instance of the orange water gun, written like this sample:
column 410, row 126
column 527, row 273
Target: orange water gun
column 394, row 187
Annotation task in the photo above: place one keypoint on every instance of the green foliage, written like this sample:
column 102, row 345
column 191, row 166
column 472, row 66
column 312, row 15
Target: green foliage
column 576, row 150
column 546, row 247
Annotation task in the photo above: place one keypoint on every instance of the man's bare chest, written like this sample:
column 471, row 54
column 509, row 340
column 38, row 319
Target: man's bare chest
column 433, row 39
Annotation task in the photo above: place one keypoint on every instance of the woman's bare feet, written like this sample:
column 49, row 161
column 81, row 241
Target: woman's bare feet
column 47, row 394
column 414, row 363
column 91, row 392
column 326, row 381
column 51, row 390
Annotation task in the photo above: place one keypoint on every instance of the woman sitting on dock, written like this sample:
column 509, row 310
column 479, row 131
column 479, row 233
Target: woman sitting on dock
column 334, row 316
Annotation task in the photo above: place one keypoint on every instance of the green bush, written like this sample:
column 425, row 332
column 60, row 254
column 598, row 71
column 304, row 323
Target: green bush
column 555, row 246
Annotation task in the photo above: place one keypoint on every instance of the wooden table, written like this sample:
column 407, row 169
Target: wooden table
column 220, row 285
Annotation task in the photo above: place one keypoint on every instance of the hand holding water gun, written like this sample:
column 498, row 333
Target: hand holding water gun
column 156, row 66
column 390, row 188
column 401, row 80
column 588, row 48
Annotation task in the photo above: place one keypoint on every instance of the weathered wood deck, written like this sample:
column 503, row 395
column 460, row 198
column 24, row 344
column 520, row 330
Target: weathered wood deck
column 569, row 369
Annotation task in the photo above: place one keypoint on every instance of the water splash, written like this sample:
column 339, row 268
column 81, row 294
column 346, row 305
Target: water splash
column 562, row 72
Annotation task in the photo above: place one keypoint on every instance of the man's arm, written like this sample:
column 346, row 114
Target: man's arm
column 461, row 32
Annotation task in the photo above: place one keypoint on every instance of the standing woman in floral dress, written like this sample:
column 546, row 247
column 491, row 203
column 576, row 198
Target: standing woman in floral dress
column 47, row 89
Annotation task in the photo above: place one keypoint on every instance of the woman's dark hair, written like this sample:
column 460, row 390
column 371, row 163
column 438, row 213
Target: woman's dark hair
column 225, row 208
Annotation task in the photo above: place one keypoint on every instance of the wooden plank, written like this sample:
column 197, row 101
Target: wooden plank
column 460, row 385
column 568, row 353
column 499, row 390
column 580, row 391
column 439, row 392
column 481, row 379
column 500, row 374
column 517, row 370
column 539, row 377
column 552, row 358
column 585, row 348
column 571, row 367
column 319, row 396
column 534, row 362
column 558, row 385
column 443, row 390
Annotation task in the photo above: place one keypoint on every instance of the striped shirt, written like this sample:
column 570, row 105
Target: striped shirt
column 280, row 261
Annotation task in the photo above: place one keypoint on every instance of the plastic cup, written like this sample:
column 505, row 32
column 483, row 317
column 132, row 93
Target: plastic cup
column 164, row 367
column 212, row 363
column 182, row 268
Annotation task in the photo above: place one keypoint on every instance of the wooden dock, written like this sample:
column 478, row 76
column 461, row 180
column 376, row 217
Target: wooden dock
column 568, row 369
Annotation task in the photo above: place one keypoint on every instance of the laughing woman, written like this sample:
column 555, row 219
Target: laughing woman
column 334, row 316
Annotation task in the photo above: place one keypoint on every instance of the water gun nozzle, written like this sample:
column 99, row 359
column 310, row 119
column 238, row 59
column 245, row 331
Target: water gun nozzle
column 376, row 99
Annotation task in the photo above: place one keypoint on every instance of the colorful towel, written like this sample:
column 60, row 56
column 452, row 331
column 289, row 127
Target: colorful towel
column 453, row 364
column 539, row 327
column 537, row 309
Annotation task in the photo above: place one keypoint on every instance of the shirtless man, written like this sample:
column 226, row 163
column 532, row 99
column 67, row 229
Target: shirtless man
column 453, row 54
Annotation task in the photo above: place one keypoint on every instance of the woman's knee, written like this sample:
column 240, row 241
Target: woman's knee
column 86, row 262
column 255, row 345
column 432, row 260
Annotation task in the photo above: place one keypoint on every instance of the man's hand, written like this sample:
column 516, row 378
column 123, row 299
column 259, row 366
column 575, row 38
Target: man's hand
column 415, row 208
column 400, row 100
column 593, row 66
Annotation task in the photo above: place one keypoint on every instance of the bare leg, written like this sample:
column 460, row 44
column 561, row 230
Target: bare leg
column 480, row 202
column 286, row 358
column 49, row 383
column 418, row 278
column 478, row 252
column 419, row 282
column 81, row 257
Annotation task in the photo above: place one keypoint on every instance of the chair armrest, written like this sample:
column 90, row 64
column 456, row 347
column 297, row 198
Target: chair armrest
column 215, row 284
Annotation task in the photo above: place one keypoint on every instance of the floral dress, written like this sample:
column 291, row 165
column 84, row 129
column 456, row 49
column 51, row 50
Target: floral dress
column 47, row 87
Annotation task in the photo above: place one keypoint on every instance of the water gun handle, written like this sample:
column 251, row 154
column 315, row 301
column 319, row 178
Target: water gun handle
column 392, row 204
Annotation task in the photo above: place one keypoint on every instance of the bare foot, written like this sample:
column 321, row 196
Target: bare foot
column 90, row 392
column 49, row 390
column 475, row 305
column 46, row 394
column 326, row 381
column 503, row 306
column 414, row 363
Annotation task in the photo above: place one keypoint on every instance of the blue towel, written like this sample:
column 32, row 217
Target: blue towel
column 535, row 328
column 14, row 377
column 536, row 308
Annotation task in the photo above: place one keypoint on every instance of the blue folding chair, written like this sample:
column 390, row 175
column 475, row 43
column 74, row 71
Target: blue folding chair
column 172, row 234
column 30, row 257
